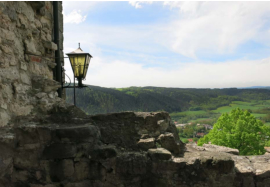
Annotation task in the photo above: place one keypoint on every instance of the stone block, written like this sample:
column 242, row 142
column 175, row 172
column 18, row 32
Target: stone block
column 27, row 158
column 25, row 78
column 22, row 175
column 6, row 166
column 79, row 134
column 12, row 60
column 103, row 152
column 59, row 170
column 164, row 124
column 30, row 47
column 5, row 117
column 168, row 142
column 27, row 11
column 81, row 170
column 129, row 164
column 12, row 73
column 50, row 45
column 20, row 88
column 23, row 22
column 27, row 135
column 45, row 85
column 6, row 49
column 23, row 66
column 45, row 134
column 60, row 151
column 7, row 60
column 21, row 110
column 159, row 154
column 51, row 64
column 7, row 91
column 7, row 34
column 41, row 95
column 96, row 171
column 154, row 124
column 146, row 144
column 7, row 146
column 11, row 14
column 4, row 63
column 38, row 24
column 52, row 95
column 3, row 105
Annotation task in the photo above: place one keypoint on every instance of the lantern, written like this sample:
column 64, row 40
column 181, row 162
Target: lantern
column 79, row 61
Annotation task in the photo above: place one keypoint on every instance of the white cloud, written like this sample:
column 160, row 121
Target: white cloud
column 74, row 17
column 83, row 6
column 240, row 73
column 217, row 27
column 138, row 4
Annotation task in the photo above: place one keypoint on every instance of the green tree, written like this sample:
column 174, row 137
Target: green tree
column 240, row 130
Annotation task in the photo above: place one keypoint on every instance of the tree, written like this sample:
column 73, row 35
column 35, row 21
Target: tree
column 240, row 130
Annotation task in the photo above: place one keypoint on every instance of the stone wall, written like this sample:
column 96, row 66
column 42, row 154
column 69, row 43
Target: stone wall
column 71, row 149
column 27, row 55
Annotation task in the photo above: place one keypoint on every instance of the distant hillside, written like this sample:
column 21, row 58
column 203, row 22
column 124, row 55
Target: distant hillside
column 256, row 87
column 96, row 99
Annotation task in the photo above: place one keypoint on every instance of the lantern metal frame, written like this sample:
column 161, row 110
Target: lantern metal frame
column 84, row 73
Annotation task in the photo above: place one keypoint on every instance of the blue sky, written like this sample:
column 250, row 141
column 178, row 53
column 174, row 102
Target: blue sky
column 171, row 44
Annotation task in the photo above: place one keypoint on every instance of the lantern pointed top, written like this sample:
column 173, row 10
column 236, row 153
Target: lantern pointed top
column 78, row 51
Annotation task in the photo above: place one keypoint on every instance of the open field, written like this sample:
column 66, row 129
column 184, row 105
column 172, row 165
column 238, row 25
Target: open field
column 188, row 113
column 196, row 116
column 252, row 105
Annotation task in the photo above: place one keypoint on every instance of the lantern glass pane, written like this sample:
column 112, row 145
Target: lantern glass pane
column 77, row 63
column 86, row 65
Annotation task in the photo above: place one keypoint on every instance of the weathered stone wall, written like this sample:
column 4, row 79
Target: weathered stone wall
column 26, row 81
column 70, row 149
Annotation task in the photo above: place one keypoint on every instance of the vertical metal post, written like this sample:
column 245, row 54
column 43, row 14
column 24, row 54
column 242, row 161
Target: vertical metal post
column 74, row 92
column 58, row 68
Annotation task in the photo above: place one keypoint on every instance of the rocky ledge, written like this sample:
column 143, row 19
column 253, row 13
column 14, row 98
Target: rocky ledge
column 70, row 149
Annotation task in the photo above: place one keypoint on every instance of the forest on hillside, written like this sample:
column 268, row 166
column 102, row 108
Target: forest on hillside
column 95, row 100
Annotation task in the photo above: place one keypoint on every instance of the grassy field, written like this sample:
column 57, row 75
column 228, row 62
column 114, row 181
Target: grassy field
column 252, row 105
column 202, row 115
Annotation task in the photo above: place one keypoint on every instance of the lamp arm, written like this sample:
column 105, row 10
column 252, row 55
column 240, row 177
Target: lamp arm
column 68, row 78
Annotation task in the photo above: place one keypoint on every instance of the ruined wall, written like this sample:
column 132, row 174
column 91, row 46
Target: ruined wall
column 70, row 149
column 26, row 81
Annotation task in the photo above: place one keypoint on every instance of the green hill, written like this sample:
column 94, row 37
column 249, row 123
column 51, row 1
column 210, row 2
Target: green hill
column 96, row 99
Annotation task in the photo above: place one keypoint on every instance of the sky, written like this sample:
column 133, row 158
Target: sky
column 171, row 44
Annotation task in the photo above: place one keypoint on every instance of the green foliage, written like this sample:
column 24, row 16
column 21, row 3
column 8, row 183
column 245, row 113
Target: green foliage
column 241, row 130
